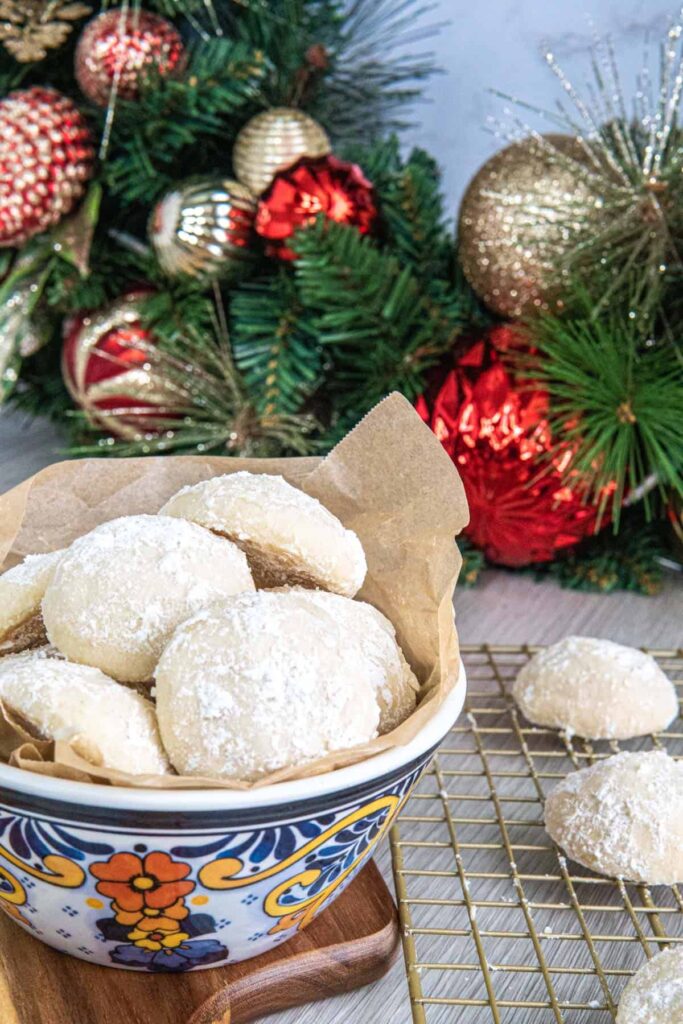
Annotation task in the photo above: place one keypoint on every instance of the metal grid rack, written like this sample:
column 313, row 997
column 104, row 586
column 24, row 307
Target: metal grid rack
column 497, row 925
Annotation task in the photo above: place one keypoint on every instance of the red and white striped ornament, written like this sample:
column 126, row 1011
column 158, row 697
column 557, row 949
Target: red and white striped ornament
column 109, row 368
column 46, row 158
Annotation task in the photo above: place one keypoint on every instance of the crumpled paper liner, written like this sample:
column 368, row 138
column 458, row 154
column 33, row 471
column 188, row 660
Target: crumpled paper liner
column 390, row 480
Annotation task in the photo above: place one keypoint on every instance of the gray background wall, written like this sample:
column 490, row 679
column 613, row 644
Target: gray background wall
column 496, row 44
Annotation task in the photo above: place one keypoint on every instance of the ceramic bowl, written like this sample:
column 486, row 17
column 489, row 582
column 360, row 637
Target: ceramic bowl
column 178, row 880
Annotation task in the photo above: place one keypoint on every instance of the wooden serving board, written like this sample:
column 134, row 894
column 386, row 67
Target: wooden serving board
column 351, row 944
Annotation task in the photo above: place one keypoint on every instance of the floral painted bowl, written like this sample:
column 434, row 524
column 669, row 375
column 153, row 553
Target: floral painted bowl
column 178, row 880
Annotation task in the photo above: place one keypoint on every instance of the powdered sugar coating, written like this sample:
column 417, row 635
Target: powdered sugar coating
column 623, row 817
column 261, row 682
column 597, row 689
column 22, row 589
column 395, row 684
column 119, row 591
column 63, row 701
column 289, row 537
column 655, row 994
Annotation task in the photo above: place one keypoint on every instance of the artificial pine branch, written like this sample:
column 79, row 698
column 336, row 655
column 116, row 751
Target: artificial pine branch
column 371, row 314
column 152, row 134
column 352, row 66
column 605, row 563
column 274, row 347
column 375, row 74
column 473, row 563
column 210, row 409
column 616, row 399
column 409, row 193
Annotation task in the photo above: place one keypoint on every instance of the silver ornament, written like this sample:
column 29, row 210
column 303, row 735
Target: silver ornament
column 204, row 228
column 273, row 141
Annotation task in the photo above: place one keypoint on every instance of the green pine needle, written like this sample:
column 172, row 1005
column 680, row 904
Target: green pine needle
column 616, row 398
column 371, row 314
column 411, row 204
column 175, row 116
column 606, row 563
column 274, row 347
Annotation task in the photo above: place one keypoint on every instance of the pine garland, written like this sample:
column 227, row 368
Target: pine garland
column 617, row 399
column 275, row 348
column 372, row 317
column 288, row 359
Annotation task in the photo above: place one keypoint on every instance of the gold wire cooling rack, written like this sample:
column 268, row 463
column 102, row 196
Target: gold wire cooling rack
column 497, row 925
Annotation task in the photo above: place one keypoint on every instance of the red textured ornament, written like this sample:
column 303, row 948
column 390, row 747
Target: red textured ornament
column 310, row 187
column 108, row 368
column 496, row 431
column 46, row 158
column 118, row 46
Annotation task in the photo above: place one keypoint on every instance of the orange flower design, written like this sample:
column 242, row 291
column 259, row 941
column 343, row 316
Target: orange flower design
column 155, row 882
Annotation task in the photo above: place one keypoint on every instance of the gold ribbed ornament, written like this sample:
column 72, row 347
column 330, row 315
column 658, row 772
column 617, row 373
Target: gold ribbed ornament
column 520, row 220
column 204, row 228
column 274, row 140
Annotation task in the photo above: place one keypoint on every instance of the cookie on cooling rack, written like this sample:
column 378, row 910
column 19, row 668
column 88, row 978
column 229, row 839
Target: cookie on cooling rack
column 655, row 994
column 596, row 689
column 623, row 817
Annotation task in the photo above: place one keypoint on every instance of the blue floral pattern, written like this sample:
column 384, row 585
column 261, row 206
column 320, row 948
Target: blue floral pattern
column 184, row 893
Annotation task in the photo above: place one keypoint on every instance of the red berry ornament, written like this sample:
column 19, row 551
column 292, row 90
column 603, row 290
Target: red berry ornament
column 46, row 158
column 495, row 428
column 119, row 46
column 311, row 187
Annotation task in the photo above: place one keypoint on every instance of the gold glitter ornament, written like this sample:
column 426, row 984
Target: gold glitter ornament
column 29, row 28
column 204, row 228
column 274, row 140
column 520, row 219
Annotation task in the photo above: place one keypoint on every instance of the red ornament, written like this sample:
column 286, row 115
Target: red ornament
column 310, row 187
column 46, row 157
column 108, row 365
column 495, row 428
column 118, row 46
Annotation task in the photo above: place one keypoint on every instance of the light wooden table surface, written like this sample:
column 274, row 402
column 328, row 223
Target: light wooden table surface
column 503, row 608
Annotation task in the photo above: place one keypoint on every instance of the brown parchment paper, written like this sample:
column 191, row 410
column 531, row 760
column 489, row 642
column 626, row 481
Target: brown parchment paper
column 390, row 480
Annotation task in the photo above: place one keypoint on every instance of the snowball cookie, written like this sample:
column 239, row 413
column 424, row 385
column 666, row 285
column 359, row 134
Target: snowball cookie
column 21, row 591
column 597, row 689
column 119, row 591
column 288, row 536
column 261, row 682
column 655, row 994
column 114, row 725
column 623, row 817
column 396, row 687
